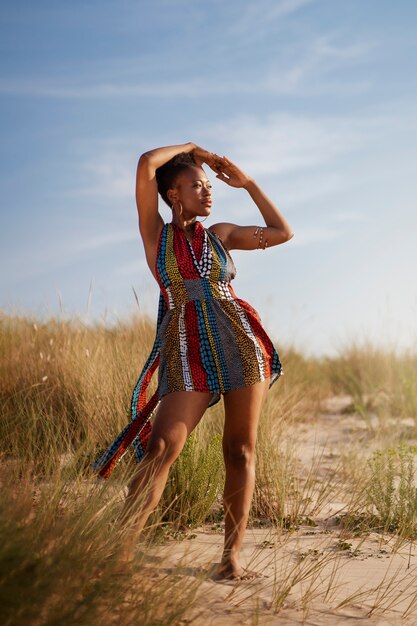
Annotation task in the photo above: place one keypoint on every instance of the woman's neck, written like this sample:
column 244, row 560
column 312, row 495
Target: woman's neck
column 186, row 225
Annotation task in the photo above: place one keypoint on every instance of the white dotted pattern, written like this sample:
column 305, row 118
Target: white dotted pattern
column 186, row 374
column 224, row 290
column 248, row 330
column 206, row 261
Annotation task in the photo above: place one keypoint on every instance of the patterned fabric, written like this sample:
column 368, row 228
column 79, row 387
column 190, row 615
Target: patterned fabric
column 206, row 339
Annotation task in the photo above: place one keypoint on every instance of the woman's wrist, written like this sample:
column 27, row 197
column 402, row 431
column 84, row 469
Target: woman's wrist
column 249, row 184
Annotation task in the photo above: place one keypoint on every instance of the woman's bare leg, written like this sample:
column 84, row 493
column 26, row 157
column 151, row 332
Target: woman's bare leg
column 177, row 415
column 242, row 412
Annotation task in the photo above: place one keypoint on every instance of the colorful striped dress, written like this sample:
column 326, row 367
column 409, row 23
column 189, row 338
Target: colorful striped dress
column 206, row 339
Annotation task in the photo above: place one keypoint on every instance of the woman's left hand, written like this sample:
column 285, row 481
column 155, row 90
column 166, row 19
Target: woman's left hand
column 203, row 156
column 229, row 173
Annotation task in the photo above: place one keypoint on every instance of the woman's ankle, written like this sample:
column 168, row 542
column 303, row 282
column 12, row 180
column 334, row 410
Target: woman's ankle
column 230, row 555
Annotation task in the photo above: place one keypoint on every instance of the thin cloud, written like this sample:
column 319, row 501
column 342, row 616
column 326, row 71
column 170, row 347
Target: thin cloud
column 264, row 14
column 309, row 154
column 282, row 143
column 279, row 144
column 280, row 82
column 110, row 174
column 311, row 70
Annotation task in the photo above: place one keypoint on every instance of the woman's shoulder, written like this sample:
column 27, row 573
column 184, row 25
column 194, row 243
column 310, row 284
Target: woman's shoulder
column 222, row 230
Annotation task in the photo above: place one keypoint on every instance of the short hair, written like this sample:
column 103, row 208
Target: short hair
column 167, row 174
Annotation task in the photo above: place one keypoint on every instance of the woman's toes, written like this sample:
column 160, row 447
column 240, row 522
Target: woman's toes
column 228, row 571
column 250, row 575
column 232, row 571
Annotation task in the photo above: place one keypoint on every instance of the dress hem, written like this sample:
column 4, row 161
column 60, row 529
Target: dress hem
column 274, row 376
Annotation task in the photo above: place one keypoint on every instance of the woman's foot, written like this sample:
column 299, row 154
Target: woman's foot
column 126, row 558
column 232, row 570
column 116, row 564
column 123, row 561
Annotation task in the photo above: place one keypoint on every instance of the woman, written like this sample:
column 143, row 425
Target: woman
column 208, row 341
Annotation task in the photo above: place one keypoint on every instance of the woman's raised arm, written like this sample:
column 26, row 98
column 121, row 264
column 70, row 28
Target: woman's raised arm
column 277, row 229
column 150, row 220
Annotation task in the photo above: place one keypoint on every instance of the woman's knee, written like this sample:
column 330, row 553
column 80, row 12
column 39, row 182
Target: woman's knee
column 241, row 454
column 163, row 450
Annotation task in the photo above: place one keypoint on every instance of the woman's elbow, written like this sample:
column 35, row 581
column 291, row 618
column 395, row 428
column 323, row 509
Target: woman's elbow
column 286, row 235
column 281, row 236
column 145, row 163
column 144, row 158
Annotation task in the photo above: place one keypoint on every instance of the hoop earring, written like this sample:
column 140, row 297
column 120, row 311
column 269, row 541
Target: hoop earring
column 204, row 219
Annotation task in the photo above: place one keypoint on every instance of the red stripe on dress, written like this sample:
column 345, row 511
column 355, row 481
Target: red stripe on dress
column 198, row 240
column 145, row 383
column 182, row 252
column 198, row 373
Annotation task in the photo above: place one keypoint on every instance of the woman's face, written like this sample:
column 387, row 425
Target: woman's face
column 193, row 190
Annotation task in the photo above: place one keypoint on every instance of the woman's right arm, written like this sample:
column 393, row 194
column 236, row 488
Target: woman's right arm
column 150, row 220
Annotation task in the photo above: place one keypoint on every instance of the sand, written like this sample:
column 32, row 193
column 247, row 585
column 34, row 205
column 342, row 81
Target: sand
column 316, row 574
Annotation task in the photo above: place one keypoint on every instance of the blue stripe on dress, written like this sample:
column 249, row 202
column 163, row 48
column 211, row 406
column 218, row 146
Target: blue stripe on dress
column 161, row 264
column 205, row 350
column 218, row 344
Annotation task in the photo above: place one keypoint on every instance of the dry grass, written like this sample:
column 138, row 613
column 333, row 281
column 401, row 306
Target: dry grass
column 65, row 391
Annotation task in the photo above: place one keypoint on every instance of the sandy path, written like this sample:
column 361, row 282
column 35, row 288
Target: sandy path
column 314, row 575
column 312, row 557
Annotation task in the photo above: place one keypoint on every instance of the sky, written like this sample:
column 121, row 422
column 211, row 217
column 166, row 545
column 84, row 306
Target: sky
column 315, row 99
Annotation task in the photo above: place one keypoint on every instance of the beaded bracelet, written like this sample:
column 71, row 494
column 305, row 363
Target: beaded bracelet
column 261, row 234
